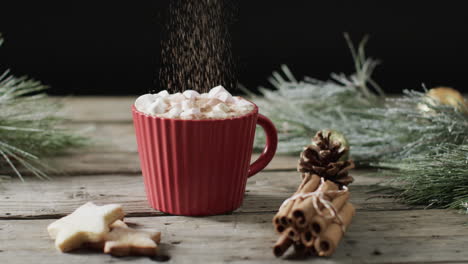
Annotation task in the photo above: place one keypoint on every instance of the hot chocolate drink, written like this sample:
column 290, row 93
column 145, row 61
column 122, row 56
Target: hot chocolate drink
column 218, row 103
column 195, row 149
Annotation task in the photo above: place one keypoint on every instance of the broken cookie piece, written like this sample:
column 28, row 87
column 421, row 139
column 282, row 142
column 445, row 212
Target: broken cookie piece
column 88, row 223
column 125, row 241
column 100, row 245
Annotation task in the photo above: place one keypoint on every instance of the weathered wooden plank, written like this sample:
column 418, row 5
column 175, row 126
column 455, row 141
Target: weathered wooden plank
column 116, row 137
column 107, row 137
column 112, row 137
column 113, row 150
column 394, row 237
column 98, row 108
column 44, row 199
column 97, row 163
column 383, row 231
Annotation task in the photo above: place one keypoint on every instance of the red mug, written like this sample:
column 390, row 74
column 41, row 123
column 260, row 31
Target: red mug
column 199, row 167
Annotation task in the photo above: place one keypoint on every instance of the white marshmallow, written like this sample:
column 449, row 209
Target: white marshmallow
column 212, row 102
column 191, row 94
column 217, row 114
column 190, row 113
column 142, row 102
column 187, row 104
column 217, row 104
column 176, row 98
column 225, row 97
column 216, row 90
column 241, row 107
column 176, row 106
column 173, row 113
column 221, row 108
column 158, row 107
column 242, row 102
column 163, row 93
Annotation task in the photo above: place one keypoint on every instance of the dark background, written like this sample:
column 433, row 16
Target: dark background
column 112, row 48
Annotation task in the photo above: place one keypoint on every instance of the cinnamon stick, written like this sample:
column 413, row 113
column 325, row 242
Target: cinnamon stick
column 319, row 223
column 283, row 218
column 279, row 228
column 304, row 210
column 307, row 238
column 310, row 186
column 328, row 240
column 282, row 244
column 293, row 234
column 311, row 250
column 300, row 251
column 283, row 211
column 286, row 218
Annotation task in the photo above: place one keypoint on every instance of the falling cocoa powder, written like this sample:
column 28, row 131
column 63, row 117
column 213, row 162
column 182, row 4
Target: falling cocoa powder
column 196, row 46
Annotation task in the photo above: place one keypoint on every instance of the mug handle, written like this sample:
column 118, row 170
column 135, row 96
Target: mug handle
column 270, row 147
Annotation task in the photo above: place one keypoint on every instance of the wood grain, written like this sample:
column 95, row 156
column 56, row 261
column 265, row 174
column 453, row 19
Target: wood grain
column 50, row 199
column 116, row 109
column 383, row 231
column 104, row 163
column 113, row 150
column 374, row 237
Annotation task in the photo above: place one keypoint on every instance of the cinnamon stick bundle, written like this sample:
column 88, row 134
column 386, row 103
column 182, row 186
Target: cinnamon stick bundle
column 313, row 227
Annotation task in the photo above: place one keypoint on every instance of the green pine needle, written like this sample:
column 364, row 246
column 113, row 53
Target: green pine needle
column 300, row 109
column 426, row 150
column 437, row 180
column 430, row 151
column 29, row 126
column 407, row 130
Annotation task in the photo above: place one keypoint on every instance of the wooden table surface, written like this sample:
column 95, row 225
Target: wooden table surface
column 383, row 231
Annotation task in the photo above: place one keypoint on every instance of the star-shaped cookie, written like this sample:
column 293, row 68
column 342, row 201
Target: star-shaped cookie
column 124, row 241
column 100, row 245
column 88, row 223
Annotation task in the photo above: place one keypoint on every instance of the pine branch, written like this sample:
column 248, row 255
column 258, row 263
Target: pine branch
column 377, row 128
column 29, row 126
column 437, row 180
column 406, row 130
column 423, row 142
column 430, row 150
column 300, row 109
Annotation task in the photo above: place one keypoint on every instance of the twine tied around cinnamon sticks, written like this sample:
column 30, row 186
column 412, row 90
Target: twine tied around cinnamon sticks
column 319, row 201
column 313, row 219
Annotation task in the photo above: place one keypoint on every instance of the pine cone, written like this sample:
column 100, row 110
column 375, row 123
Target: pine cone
column 327, row 157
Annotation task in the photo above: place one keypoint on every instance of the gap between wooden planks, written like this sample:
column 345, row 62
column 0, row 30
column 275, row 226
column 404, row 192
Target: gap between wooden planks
column 393, row 237
column 383, row 230
column 107, row 121
column 52, row 199
column 113, row 150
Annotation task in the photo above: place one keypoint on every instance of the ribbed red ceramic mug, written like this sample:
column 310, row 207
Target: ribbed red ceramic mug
column 199, row 167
